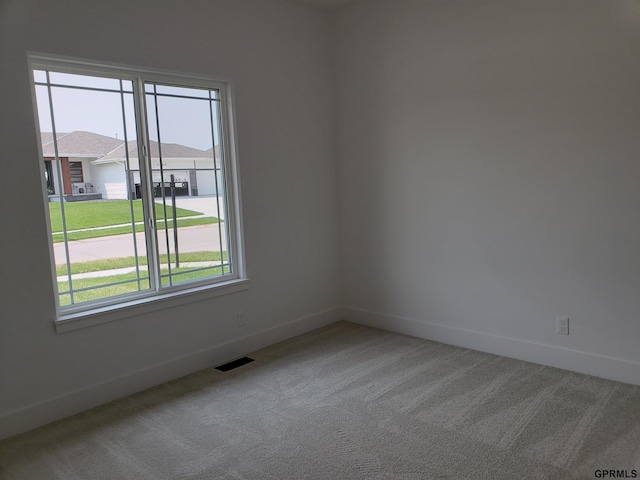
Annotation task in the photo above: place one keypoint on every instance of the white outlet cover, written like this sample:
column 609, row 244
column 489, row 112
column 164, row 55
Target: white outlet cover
column 562, row 325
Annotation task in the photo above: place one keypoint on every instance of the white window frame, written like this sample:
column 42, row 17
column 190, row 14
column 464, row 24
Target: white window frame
column 114, row 308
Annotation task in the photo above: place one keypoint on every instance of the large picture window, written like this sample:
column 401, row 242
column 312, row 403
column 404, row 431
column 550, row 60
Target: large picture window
column 141, row 182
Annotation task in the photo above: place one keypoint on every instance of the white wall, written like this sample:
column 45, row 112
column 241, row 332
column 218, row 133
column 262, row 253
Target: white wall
column 278, row 57
column 489, row 156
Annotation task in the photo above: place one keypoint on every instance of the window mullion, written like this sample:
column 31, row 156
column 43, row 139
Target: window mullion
column 129, row 187
column 216, row 182
column 229, row 190
column 61, row 190
column 164, row 200
column 146, row 185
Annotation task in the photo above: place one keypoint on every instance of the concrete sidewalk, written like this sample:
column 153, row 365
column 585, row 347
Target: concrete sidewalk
column 143, row 268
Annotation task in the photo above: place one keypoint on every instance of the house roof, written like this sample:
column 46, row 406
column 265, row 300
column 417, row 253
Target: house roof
column 79, row 144
column 209, row 152
column 105, row 149
column 169, row 150
column 47, row 137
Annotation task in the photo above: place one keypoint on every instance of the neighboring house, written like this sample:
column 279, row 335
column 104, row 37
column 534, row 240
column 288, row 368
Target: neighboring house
column 97, row 164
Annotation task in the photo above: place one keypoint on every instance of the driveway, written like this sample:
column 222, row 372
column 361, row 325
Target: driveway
column 204, row 204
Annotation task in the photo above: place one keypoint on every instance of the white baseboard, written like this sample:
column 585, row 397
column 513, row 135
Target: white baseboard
column 52, row 409
column 578, row 361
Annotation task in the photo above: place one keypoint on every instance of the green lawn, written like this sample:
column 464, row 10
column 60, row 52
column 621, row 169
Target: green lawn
column 102, row 213
column 105, row 232
column 93, row 214
column 85, row 216
column 124, row 262
column 185, row 274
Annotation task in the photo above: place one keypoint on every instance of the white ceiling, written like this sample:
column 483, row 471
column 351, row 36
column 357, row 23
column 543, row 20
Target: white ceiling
column 327, row 4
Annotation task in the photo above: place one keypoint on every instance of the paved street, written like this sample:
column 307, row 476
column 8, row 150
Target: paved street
column 190, row 239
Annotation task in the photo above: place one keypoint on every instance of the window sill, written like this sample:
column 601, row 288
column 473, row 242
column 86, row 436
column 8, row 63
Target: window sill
column 98, row 316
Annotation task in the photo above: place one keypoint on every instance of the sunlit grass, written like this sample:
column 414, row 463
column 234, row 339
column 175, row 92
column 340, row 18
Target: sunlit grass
column 105, row 232
column 102, row 213
column 185, row 275
column 125, row 262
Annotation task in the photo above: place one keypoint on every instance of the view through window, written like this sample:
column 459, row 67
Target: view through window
column 136, row 172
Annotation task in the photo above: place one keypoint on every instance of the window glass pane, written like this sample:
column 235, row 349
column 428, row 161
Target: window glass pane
column 192, row 238
column 97, row 224
column 84, row 81
column 127, row 85
column 180, row 91
column 44, row 115
column 95, row 112
column 39, row 76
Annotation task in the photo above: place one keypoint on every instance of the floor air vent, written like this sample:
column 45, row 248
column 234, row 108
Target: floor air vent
column 234, row 364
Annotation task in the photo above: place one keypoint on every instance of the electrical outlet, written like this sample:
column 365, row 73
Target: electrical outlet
column 242, row 319
column 562, row 325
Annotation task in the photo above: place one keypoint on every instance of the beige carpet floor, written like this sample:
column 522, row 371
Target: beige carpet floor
column 348, row 402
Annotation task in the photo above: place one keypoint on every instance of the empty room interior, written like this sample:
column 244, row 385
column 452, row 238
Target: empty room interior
column 434, row 230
